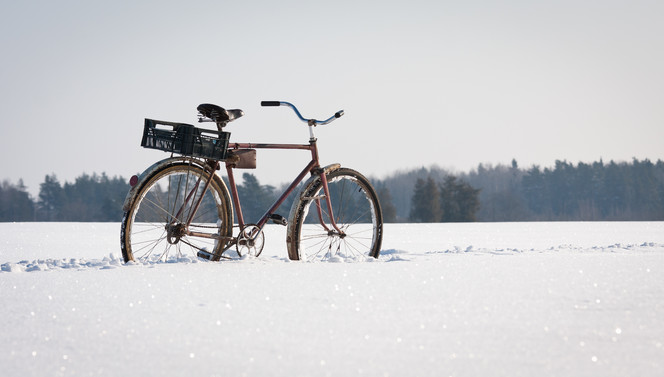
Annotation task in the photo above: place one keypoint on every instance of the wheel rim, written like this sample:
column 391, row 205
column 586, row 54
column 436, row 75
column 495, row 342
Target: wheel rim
column 157, row 233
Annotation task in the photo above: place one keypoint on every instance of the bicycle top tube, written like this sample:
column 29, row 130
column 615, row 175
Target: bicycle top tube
column 311, row 122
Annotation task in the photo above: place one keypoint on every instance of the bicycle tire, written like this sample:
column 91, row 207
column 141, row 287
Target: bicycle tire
column 356, row 210
column 144, row 235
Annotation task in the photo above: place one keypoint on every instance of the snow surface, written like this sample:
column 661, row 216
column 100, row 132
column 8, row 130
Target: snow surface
column 482, row 299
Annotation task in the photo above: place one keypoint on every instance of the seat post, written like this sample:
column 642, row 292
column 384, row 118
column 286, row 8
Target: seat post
column 221, row 125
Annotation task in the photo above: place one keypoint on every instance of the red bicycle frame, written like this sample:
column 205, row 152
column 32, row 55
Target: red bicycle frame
column 312, row 167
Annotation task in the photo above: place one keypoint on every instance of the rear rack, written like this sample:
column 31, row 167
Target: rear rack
column 185, row 139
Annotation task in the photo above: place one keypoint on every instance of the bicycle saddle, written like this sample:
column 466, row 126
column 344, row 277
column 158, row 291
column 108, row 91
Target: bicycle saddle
column 219, row 114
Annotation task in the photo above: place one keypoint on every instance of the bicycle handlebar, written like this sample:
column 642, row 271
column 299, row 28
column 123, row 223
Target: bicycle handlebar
column 311, row 122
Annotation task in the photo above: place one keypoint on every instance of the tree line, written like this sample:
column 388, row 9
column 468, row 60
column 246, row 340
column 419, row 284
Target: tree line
column 595, row 191
column 88, row 198
column 99, row 198
column 598, row 191
column 452, row 200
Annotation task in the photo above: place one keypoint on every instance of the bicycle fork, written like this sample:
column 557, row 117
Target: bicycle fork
column 328, row 202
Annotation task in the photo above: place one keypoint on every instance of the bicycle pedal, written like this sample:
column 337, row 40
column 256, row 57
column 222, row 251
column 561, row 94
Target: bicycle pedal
column 204, row 255
column 278, row 219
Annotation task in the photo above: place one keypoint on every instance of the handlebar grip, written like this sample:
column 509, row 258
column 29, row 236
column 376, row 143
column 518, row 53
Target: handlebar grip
column 338, row 114
column 270, row 103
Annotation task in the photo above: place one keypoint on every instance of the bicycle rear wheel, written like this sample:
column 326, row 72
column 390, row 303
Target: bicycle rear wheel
column 356, row 211
column 155, row 226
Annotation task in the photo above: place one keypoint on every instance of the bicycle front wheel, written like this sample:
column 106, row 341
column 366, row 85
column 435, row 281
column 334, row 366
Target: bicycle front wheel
column 163, row 222
column 357, row 214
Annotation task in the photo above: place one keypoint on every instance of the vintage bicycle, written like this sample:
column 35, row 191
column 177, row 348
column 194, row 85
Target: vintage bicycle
column 180, row 207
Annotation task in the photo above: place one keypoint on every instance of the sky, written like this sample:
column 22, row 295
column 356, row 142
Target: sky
column 439, row 82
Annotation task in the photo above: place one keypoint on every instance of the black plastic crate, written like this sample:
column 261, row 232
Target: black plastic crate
column 185, row 139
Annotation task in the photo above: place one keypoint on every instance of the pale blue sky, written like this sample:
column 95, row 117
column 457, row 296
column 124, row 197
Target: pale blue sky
column 422, row 82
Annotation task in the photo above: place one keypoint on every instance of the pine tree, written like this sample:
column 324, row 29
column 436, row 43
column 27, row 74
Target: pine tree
column 386, row 204
column 51, row 198
column 425, row 202
column 256, row 198
column 15, row 202
column 459, row 201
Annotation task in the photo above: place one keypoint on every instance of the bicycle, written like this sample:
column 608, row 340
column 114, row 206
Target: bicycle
column 181, row 208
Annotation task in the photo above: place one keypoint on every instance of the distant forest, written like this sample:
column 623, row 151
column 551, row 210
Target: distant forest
column 598, row 191
column 565, row 192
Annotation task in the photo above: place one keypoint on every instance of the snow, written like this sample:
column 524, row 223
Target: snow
column 497, row 299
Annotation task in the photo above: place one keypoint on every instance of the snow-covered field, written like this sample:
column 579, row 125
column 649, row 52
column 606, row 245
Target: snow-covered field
column 505, row 299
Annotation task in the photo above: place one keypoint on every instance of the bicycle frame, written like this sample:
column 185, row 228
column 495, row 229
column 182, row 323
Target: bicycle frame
column 177, row 228
column 313, row 164
column 312, row 167
column 180, row 206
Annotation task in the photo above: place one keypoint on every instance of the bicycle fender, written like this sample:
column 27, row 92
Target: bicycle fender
column 327, row 170
column 331, row 167
column 147, row 174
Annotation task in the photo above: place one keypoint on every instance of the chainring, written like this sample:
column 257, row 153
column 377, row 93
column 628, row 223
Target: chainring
column 250, row 241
